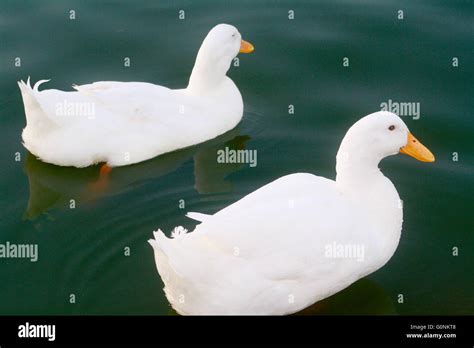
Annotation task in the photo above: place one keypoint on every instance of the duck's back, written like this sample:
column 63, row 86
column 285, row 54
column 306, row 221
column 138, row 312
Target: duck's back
column 269, row 253
column 119, row 122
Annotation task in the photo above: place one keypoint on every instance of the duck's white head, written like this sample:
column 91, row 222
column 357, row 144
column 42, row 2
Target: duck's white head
column 375, row 137
column 219, row 48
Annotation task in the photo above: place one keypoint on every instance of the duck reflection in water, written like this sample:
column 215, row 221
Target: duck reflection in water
column 53, row 187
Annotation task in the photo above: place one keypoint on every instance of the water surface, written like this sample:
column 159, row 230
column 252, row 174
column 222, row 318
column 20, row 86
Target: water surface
column 297, row 62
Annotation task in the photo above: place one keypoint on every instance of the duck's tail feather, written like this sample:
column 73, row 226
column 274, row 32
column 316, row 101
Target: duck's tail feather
column 36, row 118
column 168, row 258
column 169, row 255
column 163, row 244
column 198, row 216
column 161, row 251
column 158, row 242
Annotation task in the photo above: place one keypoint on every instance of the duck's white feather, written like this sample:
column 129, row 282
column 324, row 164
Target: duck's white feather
column 198, row 216
column 267, row 253
column 278, row 249
column 123, row 123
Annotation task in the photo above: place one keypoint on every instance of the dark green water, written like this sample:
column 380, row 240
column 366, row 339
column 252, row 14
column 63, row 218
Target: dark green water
column 298, row 62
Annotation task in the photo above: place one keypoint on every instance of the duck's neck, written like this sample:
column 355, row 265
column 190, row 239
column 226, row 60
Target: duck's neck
column 355, row 172
column 208, row 73
column 374, row 195
column 357, row 163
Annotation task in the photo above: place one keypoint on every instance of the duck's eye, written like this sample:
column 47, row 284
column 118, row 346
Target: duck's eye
column 234, row 34
column 392, row 127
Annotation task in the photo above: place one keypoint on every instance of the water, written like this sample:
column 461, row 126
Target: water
column 298, row 62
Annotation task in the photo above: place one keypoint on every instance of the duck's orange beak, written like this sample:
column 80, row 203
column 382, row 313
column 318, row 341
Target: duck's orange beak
column 246, row 47
column 417, row 150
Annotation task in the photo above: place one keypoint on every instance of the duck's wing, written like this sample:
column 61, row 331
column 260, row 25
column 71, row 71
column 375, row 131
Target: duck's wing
column 152, row 108
column 277, row 221
column 198, row 216
column 276, row 239
column 135, row 102
column 132, row 100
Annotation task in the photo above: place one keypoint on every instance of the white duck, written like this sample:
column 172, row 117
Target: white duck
column 121, row 123
column 296, row 240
